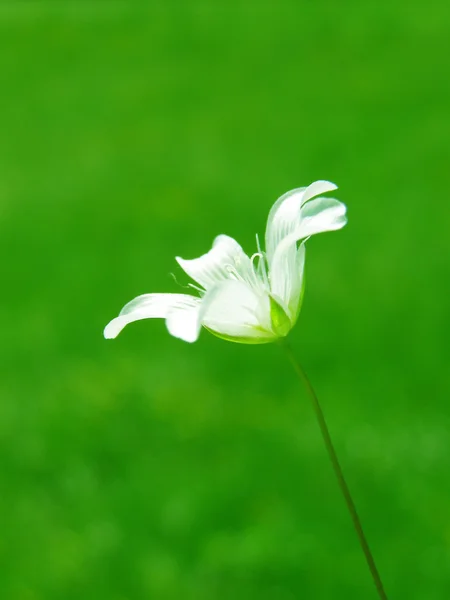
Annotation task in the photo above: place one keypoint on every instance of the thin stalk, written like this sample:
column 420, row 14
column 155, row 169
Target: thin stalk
column 337, row 470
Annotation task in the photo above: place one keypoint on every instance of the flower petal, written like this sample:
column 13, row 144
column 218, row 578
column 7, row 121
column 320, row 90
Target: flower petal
column 286, row 270
column 320, row 215
column 284, row 216
column 147, row 306
column 235, row 311
column 318, row 187
column 298, row 287
column 213, row 267
column 286, row 275
column 183, row 321
column 224, row 262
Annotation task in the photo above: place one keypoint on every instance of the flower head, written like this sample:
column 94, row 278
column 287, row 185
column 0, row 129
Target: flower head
column 253, row 300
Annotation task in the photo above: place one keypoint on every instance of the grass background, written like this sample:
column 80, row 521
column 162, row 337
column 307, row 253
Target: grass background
column 148, row 468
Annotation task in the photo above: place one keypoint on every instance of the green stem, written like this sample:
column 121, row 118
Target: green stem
column 338, row 471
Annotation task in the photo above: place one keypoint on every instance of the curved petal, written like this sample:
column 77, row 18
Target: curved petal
column 286, row 270
column 284, row 216
column 318, row 187
column 147, row 306
column 286, row 274
column 225, row 261
column 298, row 288
column 320, row 215
column 183, row 320
column 235, row 311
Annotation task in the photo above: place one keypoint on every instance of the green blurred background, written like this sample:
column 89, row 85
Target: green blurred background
column 148, row 468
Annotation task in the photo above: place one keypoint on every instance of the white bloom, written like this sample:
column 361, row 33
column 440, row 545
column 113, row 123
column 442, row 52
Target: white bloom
column 250, row 300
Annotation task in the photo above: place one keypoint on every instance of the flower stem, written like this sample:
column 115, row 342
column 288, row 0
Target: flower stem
column 338, row 471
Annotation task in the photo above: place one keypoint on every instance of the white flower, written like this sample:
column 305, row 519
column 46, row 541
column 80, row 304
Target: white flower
column 249, row 300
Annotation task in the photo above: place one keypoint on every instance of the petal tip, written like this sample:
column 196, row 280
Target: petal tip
column 181, row 261
column 325, row 185
column 112, row 330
